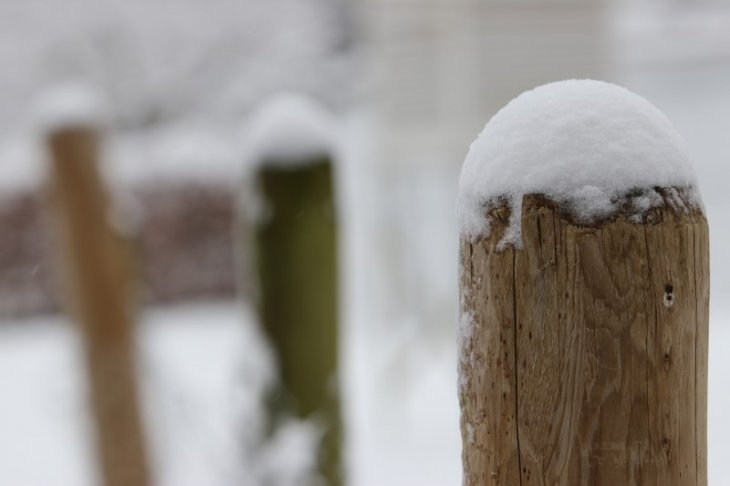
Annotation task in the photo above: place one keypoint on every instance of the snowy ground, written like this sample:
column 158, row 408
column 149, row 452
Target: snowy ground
column 198, row 360
column 719, row 398
column 195, row 362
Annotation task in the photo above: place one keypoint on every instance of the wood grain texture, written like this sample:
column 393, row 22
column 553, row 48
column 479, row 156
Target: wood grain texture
column 586, row 362
column 99, row 292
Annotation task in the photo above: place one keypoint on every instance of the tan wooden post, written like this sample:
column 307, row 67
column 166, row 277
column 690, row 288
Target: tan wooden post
column 297, row 274
column 99, row 291
column 584, row 356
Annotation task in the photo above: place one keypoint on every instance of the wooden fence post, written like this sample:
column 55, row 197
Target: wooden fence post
column 99, row 291
column 583, row 351
column 297, row 272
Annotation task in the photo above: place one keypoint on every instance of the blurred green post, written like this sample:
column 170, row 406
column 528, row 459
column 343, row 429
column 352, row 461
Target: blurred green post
column 296, row 240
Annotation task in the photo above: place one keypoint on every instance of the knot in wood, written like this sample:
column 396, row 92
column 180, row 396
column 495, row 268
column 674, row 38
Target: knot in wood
column 668, row 295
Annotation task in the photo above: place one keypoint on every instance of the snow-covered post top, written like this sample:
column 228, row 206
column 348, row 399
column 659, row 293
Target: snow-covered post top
column 70, row 106
column 287, row 133
column 593, row 148
column 290, row 130
column 584, row 287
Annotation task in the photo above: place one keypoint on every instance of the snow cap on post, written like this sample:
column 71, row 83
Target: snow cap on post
column 291, row 130
column 70, row 106
column 593, row 148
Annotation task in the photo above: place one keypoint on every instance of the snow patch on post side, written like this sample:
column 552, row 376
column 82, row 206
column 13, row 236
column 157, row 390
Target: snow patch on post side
column 465, row 345
column 589, row 146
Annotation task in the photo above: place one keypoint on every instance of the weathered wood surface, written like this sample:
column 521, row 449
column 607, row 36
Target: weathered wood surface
column 99, row 293
column 583, row 358
column 298, row 274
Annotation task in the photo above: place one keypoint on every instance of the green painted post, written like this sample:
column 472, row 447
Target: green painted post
column 296, row 240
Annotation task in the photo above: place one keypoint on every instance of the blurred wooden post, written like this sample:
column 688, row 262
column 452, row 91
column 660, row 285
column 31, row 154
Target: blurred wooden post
column 99, row 284
column 297, row 272
column 584, row 353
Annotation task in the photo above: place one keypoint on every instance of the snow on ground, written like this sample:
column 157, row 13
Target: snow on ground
column 402, row 409
column 44, row 437
column 719, row 397
column 201, row 365
column 204, row 369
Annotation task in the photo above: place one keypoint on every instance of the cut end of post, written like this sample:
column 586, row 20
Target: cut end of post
column 291, row 130
column 593, row 149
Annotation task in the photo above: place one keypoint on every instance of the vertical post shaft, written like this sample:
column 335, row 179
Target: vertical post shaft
column 100, row 300
column 583, row 358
